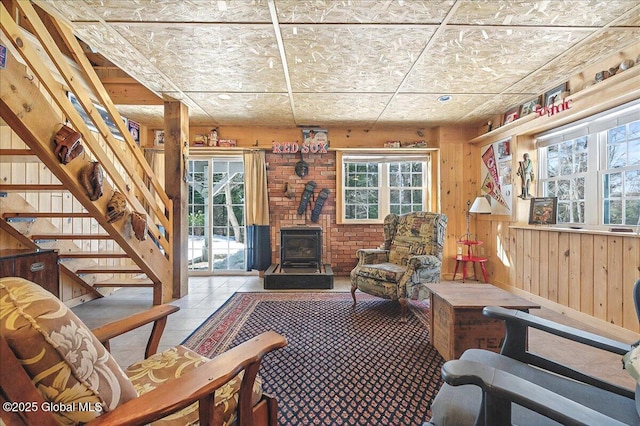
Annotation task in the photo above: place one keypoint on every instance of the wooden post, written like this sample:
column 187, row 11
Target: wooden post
column 176, row 152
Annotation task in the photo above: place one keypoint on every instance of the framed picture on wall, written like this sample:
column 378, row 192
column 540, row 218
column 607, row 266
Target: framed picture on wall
column 315, row 136
column 543, row 211
column 555, row 94
column 530, row 106
column 511, row 115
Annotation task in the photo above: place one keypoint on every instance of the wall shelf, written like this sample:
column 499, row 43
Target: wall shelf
column 617, row 90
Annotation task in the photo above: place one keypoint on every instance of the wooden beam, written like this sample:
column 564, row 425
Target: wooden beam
column 131, row 94
column 28, row 187
column 176, row 148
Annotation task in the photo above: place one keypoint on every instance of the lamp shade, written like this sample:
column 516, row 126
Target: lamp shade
column 480, row 205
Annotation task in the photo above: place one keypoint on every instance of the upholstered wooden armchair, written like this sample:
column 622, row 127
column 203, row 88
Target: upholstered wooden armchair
column 56, row 371
column 410, row 257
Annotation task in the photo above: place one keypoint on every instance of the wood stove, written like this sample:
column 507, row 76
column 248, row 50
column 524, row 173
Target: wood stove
column 300, row 264
column 301, row 247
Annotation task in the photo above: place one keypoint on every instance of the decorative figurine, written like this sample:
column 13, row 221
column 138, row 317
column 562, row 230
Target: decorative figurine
column 525, row 171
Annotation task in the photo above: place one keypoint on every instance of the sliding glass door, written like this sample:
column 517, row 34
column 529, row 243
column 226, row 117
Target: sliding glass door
column 217, row 234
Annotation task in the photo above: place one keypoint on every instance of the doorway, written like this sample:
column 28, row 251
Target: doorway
column 217, row 233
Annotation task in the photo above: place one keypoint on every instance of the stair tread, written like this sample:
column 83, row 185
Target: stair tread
column 32, row 187
column 45, row 214
column 125, row 269
column 16, row 155
column 53, row 236
column 93, row 254
column 125, row 282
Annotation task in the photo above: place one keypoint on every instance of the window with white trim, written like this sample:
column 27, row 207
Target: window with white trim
column 375, row 185
column 593, row 167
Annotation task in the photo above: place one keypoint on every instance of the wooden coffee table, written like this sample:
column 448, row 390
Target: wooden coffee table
column 457, row 322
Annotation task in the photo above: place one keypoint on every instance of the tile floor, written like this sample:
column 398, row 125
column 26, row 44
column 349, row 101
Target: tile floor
column 207, row 294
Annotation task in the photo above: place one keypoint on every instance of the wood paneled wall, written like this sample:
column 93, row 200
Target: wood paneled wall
column 588, row 275
column 589, row 272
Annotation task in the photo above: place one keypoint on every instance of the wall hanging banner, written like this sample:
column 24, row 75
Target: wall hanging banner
column 496, row 169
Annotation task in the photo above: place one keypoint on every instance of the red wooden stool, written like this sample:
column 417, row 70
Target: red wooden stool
column 473, row 260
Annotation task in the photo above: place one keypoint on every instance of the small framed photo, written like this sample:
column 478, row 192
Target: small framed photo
column 158, row 138
column 530, row 106
column 555, row 94
column 511, row 115
column 134, row 129
column 543, row 211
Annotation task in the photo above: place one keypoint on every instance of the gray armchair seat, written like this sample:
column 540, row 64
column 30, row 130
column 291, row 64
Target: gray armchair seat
column 410, row 257
column 522, row 388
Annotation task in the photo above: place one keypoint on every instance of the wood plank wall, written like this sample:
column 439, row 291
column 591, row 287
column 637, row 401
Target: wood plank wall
column 31, row 171
column 590, row 273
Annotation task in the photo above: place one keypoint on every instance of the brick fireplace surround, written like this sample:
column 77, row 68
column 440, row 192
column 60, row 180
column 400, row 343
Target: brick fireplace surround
column 339, row 242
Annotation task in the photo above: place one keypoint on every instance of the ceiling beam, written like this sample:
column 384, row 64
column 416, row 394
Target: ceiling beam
column 124, row 89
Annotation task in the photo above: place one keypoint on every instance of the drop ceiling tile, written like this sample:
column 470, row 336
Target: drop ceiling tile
column 425, row 108
column 150, row 115
column 119, row 51
column 351, row 58
column 338, row 108
column 164, row 11
column 362, row 11
column 544, row 12
column 246, row 109
column 486, row 60
column 210, row 57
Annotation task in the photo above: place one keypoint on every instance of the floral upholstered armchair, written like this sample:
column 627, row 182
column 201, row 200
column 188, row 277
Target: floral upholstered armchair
column 59, row 372
column 410, row 257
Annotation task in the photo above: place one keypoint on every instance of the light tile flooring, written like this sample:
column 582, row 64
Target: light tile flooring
column 207, row 294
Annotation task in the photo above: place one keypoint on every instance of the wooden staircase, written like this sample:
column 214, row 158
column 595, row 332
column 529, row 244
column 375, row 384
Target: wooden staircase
column 94, row 253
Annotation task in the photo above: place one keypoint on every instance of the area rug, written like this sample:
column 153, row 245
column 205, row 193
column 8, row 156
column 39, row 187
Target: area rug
column 342, row 366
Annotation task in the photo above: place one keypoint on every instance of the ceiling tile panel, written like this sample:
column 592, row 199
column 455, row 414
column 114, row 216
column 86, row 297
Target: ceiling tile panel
column 165, row 10
column 570, row 13
column 211, row 57
column 486, row 60
column 151, row 115
column 118, row 50
column 425, row 108
column 361, row 108
column 370, row 62
column 362, row 11
column 351, row 58
column 246, row 109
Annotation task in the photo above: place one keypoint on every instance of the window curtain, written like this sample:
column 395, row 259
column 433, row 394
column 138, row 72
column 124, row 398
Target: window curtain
column 257, row 211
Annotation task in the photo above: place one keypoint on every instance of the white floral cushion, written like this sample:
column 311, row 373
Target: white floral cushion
column 64, row 359
column 150, row 373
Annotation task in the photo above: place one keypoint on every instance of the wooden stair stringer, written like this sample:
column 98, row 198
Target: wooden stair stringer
column 28, row 243
column 36, row 126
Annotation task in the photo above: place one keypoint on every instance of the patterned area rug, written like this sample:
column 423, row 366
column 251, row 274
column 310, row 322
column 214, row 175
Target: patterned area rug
column 341, row 366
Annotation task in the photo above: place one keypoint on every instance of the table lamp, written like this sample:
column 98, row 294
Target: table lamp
column 480, row 206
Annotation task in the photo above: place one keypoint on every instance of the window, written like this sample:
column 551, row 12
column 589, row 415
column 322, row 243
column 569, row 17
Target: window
column 376, row 185
column 593, row 167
